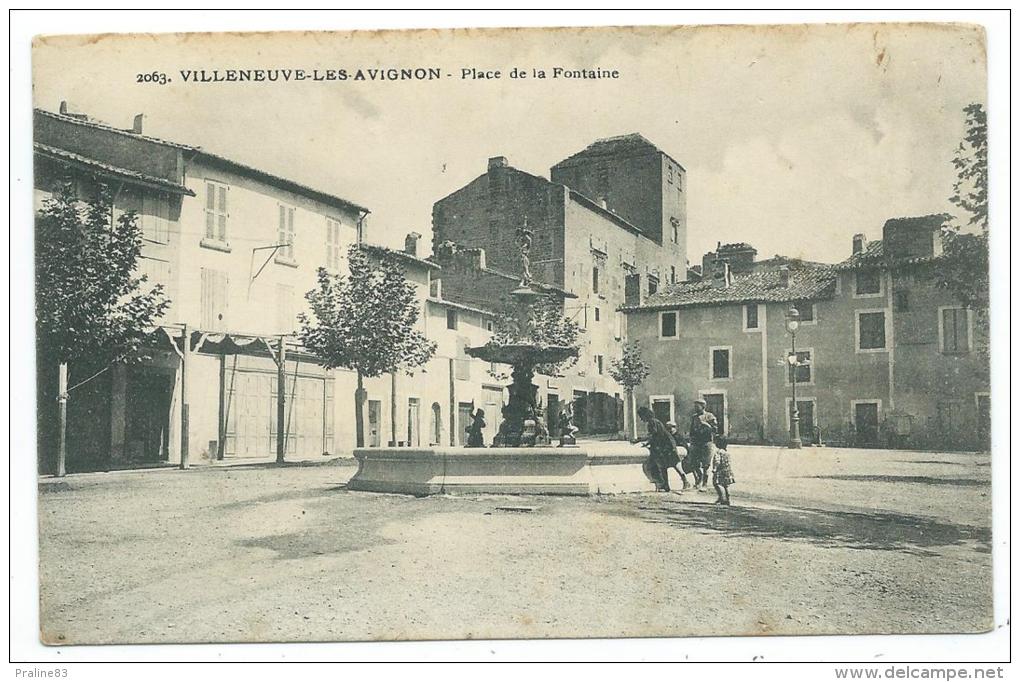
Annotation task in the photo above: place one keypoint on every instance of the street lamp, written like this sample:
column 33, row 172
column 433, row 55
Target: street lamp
column 792, row 322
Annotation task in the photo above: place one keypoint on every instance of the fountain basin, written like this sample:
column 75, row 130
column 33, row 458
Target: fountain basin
column 505, row 471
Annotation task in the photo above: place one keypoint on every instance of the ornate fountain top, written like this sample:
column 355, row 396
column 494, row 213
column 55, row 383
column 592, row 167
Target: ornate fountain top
column 524, row 236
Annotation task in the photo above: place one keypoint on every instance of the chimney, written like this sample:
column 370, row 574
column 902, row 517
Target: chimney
column 498, row 162
column 859, row 243
column 411, row 243
column 63, row 107
column 784, row 276
column 138, row 124
column 633, row 291
column 720, row 274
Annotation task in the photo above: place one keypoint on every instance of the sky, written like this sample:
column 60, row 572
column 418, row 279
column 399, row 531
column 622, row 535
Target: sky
column 794, row 138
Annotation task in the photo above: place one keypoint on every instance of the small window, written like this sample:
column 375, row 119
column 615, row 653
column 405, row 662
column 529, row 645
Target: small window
column 595, row 280
column 672, row 274
column 215, row 211
column 801, row 372
column 868, row 282
column 618, row 325
column 451, row 319
column 653, row 285
column 675, row 224
column 901, row 301
column 806, row 310
column 871, row 331
column 751, row 316
column 285, row 233
column 720, row 363
column 599, row 363
column 488, row 325
column 955, row 330
column 598, row 315
column 667, row 325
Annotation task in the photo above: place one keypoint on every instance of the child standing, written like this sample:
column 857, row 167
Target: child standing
column 722, row 471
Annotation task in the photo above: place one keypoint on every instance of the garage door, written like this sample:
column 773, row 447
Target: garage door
column 250, row 408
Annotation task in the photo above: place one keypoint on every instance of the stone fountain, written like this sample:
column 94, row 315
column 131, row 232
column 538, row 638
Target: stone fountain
column 521, row 459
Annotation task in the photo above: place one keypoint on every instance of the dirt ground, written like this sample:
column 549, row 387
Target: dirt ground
column 819, row 541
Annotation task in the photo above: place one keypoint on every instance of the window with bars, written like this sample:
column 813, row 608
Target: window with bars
column 285, row 233
column 216, row 213
column 332, row 244
column 955, row 332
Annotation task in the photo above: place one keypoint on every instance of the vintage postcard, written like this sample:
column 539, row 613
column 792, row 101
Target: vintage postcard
column 512, row 333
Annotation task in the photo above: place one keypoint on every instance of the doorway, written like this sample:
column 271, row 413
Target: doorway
column 866, row 423
column 413, row 422
column 464, row 411
column 806, row 413
column 716, row 404
column 374, row 423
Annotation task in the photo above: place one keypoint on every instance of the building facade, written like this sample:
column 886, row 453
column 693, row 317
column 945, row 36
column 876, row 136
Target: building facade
column 884, row 357
column 236, row 248
column 614, row 210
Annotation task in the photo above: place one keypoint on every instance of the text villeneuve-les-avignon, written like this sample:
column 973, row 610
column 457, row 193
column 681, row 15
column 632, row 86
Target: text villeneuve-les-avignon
column 388, row 74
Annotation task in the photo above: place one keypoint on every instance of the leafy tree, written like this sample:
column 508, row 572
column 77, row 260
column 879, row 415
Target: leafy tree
column 365, row 322
column 963, row 269
column 970, row 191
column 543, row 325
column 629, row 370
column 90, row 308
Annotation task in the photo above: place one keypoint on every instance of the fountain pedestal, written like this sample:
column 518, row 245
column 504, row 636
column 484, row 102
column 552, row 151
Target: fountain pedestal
column 500, row 471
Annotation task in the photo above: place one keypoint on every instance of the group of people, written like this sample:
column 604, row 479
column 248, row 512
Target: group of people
column 704, row 450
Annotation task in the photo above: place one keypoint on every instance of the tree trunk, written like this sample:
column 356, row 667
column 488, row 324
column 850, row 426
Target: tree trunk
column 393, row 410
column 632, row 408
column 62, row 420
column 359, row 413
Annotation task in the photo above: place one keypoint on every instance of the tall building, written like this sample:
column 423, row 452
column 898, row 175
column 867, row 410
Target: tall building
column 613, row 211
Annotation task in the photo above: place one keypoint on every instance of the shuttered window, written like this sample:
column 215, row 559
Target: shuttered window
column 285, row 233
column 332, row 245
column 214, row 299
column 955, row 330
column 215, row 211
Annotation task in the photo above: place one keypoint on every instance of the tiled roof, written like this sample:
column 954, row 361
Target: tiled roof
column 378, row 249
column 73, row 159
column 873, row 256
column 461, row 306
column 284, row 183
column 620, row 144
column 755, row 287
column 265, row 176
column 90, row 123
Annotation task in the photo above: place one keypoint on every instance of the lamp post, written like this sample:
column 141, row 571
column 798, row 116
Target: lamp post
column 792, row 322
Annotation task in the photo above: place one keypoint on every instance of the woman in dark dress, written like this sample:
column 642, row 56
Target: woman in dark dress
column 661, row 447
column 474, row 431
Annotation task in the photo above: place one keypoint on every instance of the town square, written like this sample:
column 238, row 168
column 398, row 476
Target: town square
column 671, row 344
